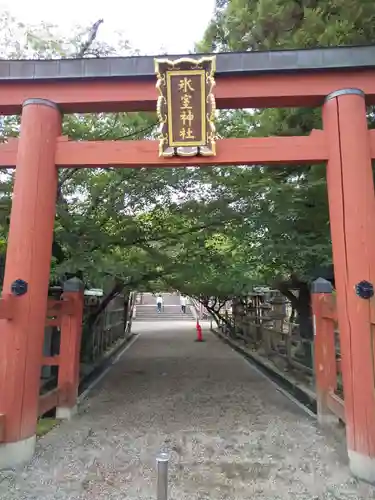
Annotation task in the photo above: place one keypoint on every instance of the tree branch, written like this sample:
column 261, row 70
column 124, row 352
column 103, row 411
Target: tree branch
column 283, row 287
column 90, row 39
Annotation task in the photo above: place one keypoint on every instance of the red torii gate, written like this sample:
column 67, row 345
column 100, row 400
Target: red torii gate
column 342, row 80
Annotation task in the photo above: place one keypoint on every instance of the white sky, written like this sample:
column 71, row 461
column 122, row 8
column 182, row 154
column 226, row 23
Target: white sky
column 152, row 26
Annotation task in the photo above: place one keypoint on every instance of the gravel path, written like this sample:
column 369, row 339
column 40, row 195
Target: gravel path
column 230, row 433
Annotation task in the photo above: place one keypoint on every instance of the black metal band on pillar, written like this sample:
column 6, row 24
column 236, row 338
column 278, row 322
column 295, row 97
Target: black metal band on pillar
column 41, row 102
column 338, row 93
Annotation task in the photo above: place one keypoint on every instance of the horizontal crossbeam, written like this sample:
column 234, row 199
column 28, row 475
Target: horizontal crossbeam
column 137, row 154
column 306, row 89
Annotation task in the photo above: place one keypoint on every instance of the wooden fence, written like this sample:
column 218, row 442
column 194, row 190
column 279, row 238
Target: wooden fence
column 264, row 330
column 62, row 363
column 66, row 315
column 200, row 311
column 110, row 329
column 90, row 347
column 6, row 312
column 265, row 326
column 327, row 360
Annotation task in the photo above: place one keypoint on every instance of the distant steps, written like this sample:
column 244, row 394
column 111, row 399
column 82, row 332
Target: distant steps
column 169, row 312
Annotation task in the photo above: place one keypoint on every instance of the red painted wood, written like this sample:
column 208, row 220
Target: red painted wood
column 70, row 346
column 242, row 91
column 2, row 427
column 50, row 360
column 48, row 401
column 137, row 154
column 7, row 307
column 352, row 212
column 28, row 257
column 264, row 150
column 53, row 304
column 345, row 143
column 324, row 354
column 56, row 310
column 250, row 151
column 53, row 321
column 60, row 307
column 336, row 405
column 328, row 307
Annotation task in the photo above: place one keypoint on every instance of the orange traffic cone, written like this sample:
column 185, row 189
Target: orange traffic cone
column 199, row 332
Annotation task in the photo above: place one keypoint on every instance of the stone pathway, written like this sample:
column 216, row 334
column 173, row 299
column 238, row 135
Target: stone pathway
column 231, row 434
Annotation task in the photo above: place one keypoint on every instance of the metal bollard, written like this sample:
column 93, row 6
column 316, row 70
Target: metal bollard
column 162, row 461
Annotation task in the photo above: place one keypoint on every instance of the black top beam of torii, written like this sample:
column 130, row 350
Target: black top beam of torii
column 227, row 64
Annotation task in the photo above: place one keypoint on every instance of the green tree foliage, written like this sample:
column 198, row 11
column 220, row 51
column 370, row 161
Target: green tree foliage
column 290, row 234
column 210, row 232
column 242, row 25
column 119, row 228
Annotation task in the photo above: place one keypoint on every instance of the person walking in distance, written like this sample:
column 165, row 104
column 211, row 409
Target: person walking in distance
column 183, row 303
column 159, row 302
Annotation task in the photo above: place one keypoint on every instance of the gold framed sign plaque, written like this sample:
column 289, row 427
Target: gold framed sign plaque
column 186, row 106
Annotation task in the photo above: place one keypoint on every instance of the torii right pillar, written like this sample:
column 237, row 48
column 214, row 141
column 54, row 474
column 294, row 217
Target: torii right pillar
column 352, row 219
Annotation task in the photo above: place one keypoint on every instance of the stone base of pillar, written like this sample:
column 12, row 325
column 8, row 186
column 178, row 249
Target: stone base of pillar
column 17, row 454
column 63, row 413
column 362, row 466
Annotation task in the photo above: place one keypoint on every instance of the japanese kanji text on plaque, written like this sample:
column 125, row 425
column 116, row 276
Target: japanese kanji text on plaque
column 186, row 106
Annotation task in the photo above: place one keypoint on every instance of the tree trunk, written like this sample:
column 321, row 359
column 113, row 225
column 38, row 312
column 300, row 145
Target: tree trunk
column 304, row 313
column 301, row 304
column 214, row 311
column 117, row 288
column 292, row 316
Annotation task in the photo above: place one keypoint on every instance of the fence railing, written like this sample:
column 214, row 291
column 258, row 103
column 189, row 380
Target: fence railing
column 200, row 310
column 327, row 362
column 71, row 352
column 270, row 342
column 109, row 328
column 267, row 329
column 269, row 335
column 65, row 315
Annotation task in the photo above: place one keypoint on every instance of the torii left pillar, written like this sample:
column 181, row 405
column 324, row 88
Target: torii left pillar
column 28, row 259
